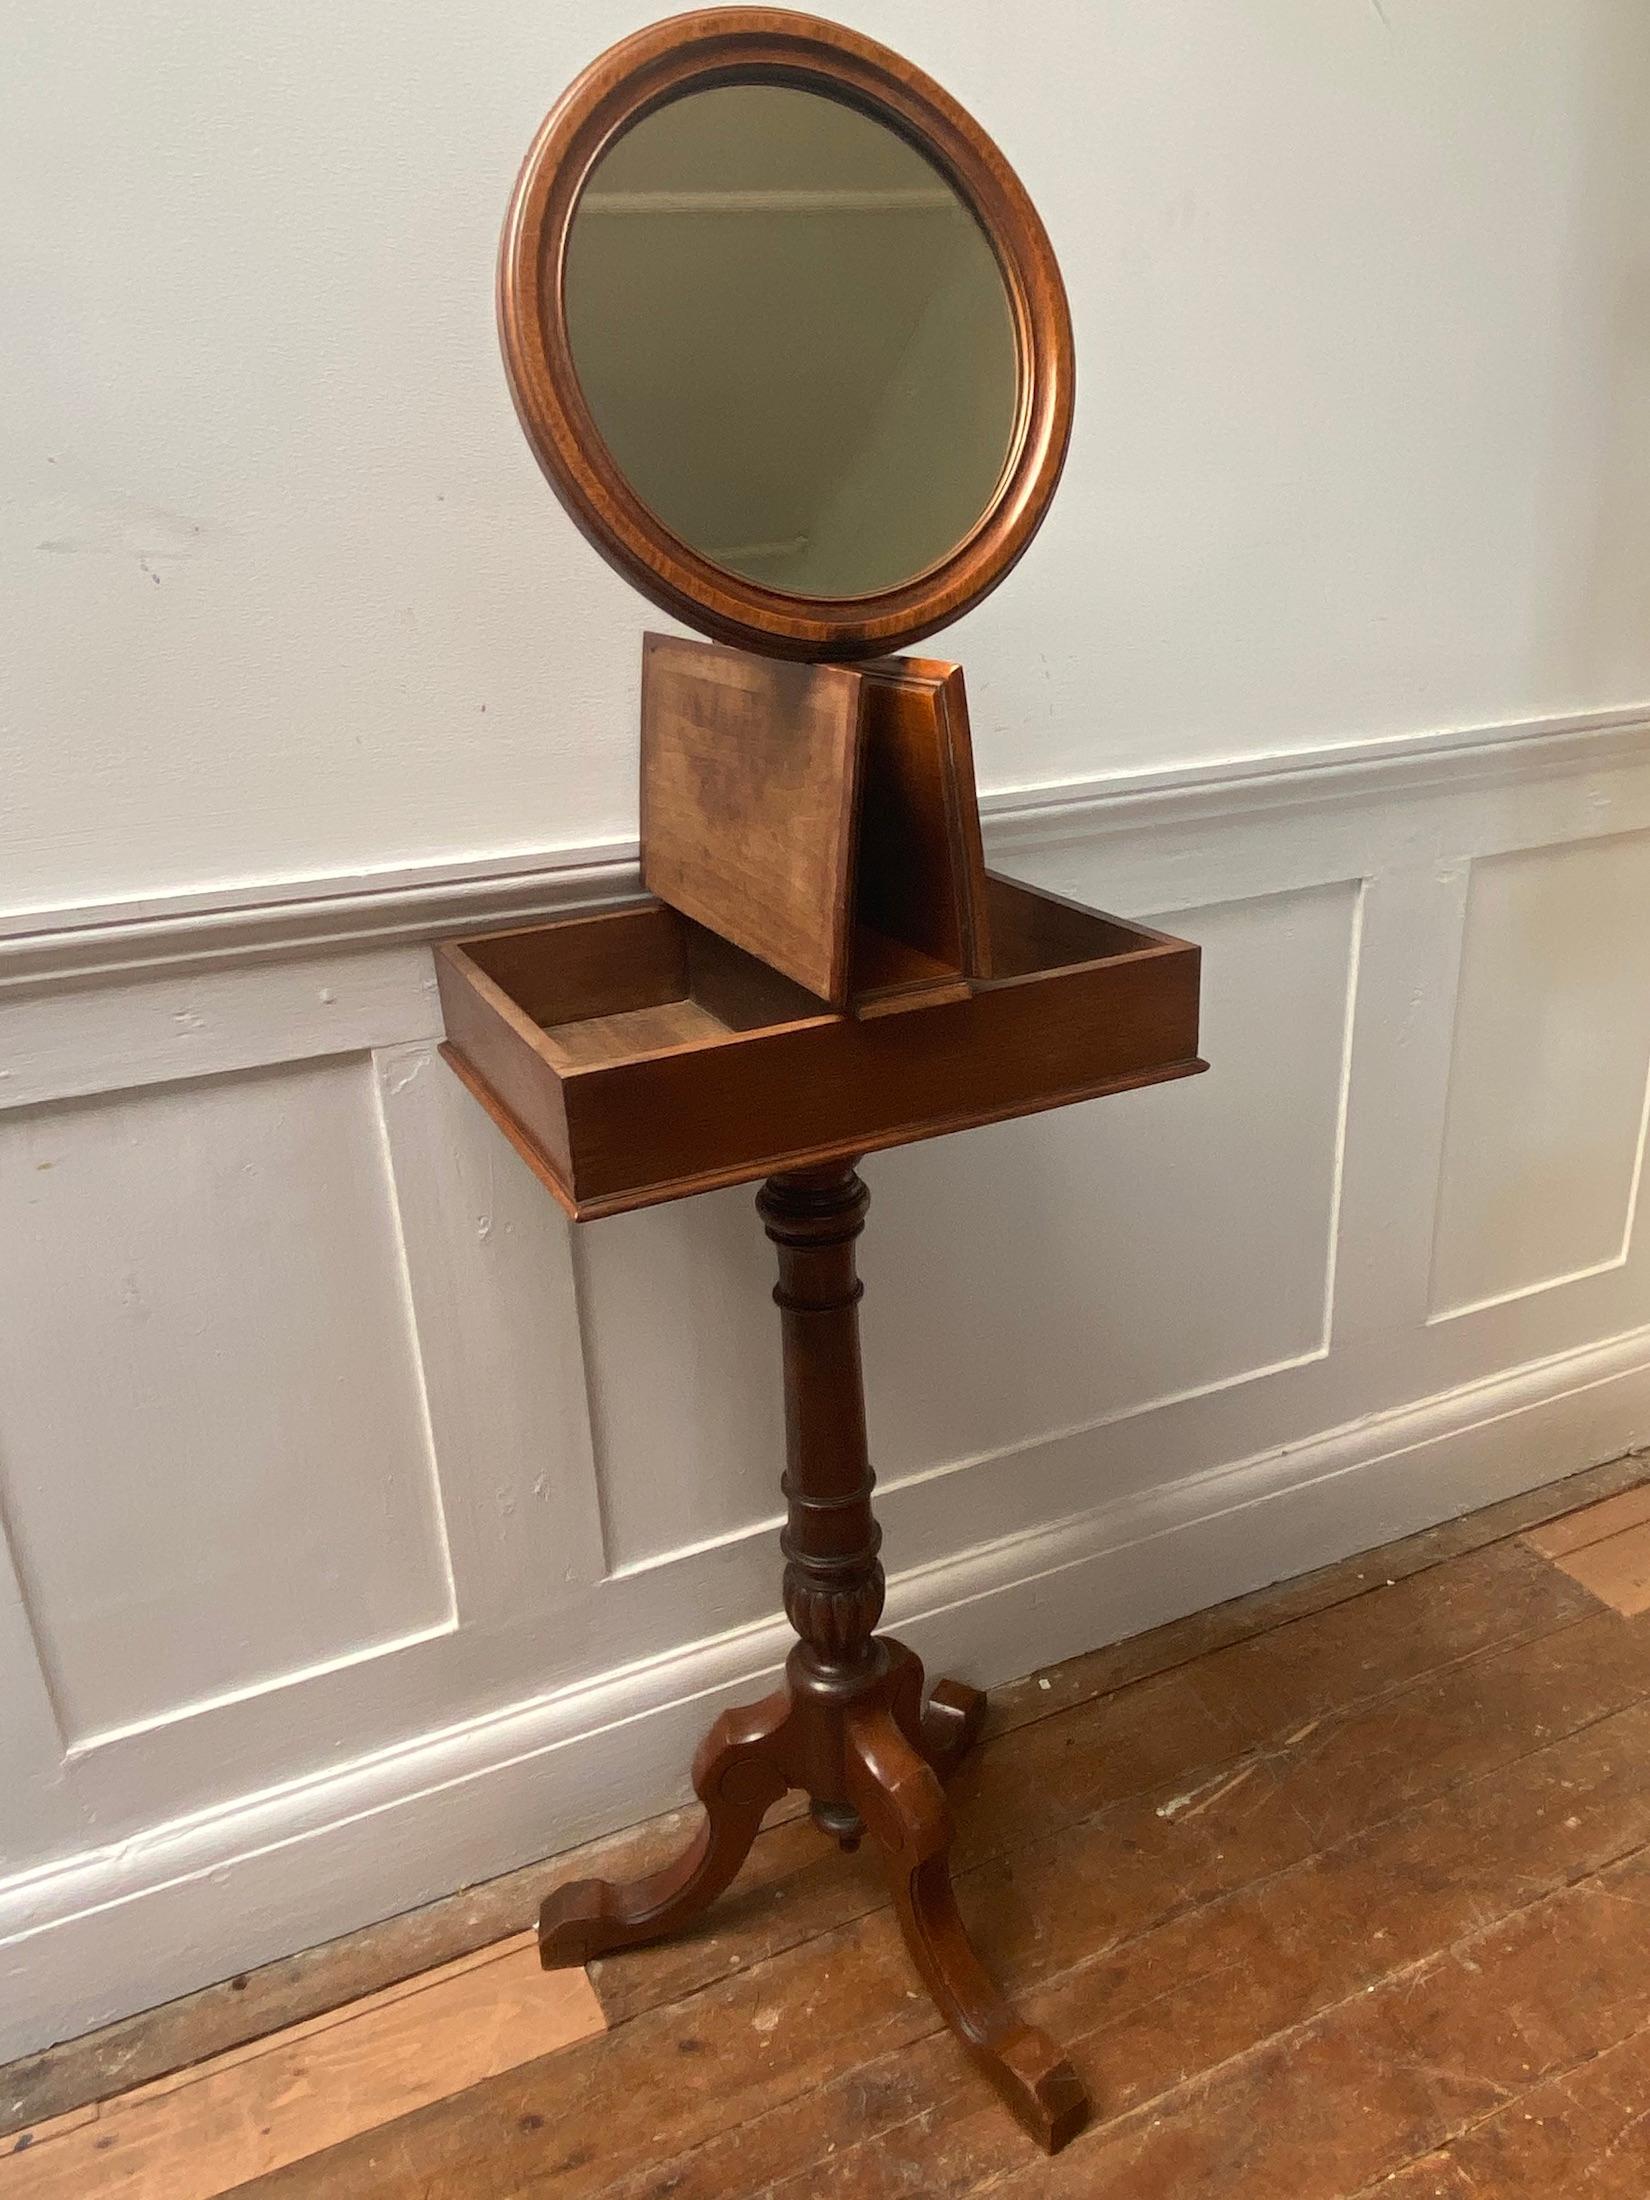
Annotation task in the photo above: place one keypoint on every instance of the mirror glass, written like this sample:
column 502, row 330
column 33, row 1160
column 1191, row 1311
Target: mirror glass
column 794, row 338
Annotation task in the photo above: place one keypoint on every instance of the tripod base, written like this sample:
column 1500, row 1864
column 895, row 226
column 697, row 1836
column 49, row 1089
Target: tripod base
column 859, row 1741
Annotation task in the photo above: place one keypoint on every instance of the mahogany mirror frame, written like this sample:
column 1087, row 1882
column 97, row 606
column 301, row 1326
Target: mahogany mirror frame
column 745, row 45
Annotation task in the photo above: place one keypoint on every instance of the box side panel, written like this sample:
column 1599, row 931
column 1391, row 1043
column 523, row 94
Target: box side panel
column 594, row 963
column 1012, row 1048
column 501, row 1059
column 1035, row 931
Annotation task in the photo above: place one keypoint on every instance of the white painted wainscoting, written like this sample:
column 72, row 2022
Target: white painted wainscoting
column 366, row 1532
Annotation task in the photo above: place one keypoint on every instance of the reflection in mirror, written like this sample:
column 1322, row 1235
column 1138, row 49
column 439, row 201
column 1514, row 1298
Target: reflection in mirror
column 794, row 338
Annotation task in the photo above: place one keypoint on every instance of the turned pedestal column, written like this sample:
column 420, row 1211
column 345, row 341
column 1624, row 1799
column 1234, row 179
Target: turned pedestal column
column 850, row 1727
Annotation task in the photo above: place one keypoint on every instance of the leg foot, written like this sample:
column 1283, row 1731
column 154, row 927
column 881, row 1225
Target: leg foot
column 897, row 1793
column 947, row 1727
column 738, row 1775
column 951, row 1724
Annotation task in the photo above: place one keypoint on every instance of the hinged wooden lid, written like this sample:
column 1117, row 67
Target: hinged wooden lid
column 750, row 801
column 822, row 817
column 920, row 861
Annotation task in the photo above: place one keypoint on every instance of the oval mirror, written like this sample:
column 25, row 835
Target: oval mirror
column 785, row 333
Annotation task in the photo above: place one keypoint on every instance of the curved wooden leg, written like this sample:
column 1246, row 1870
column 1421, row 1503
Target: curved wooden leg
column 738, row 1775
column 947, row 1727
column 897, row 1793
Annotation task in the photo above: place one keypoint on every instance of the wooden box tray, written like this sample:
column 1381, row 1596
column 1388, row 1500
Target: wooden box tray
column 633, row 1056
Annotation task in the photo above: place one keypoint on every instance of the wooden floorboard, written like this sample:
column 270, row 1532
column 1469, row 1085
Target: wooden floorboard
column 1573, row 1531
column 1166, row 1944
column 1181, row 1731
column 199, row 2132
column 260, row 2002
column 1153, row 2017
column 1616, row 1570
column 1317, row 1889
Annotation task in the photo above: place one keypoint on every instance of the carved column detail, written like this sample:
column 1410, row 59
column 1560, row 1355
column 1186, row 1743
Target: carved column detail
column 833, row 1580
column 849, row 1728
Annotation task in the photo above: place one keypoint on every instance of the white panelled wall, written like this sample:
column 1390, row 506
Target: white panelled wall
column 371, row 1531
column 363, row 1531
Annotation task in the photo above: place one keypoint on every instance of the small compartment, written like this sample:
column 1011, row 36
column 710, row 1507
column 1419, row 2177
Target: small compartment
column 1033, row 931
column 633, row 1056
column 636, row 981
column 889, row 975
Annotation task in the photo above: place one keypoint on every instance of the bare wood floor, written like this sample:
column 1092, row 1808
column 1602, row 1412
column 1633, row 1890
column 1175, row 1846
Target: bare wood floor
column 1341, row 1889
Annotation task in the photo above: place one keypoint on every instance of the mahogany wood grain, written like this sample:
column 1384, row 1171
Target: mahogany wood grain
column 738, row 1777
column 890, row 976
column 555, row 1177
column 1085, row 1005
column 774, row 45
column 921, row 870
column 501, row 1055
column 636, row 1031
column 849, row 1727
column 898, row 1794
column 750, row 801
column 1013, row 1047
column 1033, row 930
column 742, row 993
column 630, row 954
column 823, row 818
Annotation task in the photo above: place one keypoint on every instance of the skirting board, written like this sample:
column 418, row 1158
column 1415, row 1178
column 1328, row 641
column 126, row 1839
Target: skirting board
column 83, row 1941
